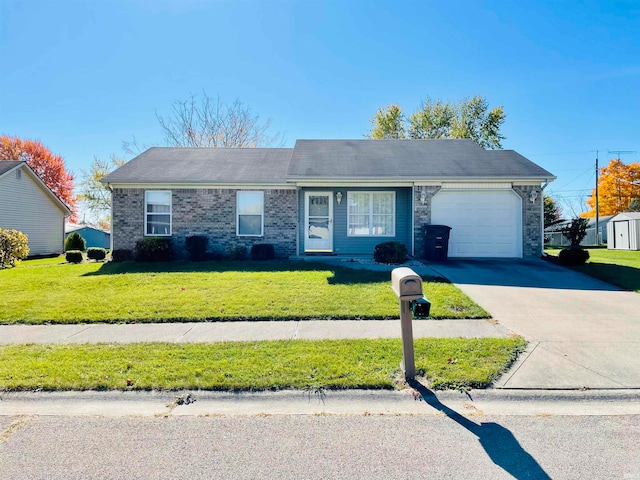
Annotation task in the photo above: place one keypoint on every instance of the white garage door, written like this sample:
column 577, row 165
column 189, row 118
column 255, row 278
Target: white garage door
column 484, row 223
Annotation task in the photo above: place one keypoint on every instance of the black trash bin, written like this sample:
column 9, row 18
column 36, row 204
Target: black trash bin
column 436, row 242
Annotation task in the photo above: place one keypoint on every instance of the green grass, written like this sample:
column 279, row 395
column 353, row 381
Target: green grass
column 234, row 366
column 37, row 293
column 618, row 267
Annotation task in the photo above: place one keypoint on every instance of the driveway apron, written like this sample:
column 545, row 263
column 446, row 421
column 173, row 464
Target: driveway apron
column 583, row 333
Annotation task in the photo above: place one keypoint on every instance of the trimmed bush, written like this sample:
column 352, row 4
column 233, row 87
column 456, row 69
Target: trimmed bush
column 236, row 252
column 390, row 252
column 573, row 256
column 75, row 241
column 576, row 231
column 14, row 246
column 73, row 256
column 197, row 247
column 154, row 249
column 121, row 255
column 95, row 253
column 263, row 251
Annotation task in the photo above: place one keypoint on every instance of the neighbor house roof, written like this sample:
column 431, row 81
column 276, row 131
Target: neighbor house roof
column 204, row 165
column 7, row 166
column 408, row 159
column 328, row 160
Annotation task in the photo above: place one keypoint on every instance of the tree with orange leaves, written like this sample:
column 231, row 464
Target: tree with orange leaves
column 618, row 185
column 49, row 167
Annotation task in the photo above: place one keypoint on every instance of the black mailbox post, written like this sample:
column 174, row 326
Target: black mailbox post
column 436, row 242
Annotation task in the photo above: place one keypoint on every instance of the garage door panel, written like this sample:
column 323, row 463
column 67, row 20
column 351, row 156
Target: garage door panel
column 484, row 223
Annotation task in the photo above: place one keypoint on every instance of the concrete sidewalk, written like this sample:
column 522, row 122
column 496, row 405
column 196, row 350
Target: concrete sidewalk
column 244, row 331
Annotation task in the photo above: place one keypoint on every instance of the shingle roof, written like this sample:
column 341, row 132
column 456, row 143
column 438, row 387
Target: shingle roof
column 6, row 165
column 204, row 165
column 317, row 160
column 412, row 159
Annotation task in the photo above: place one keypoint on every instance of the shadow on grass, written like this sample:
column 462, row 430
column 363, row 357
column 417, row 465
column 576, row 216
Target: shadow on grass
column 619, row 275
column 501, row 445
column 340, row 275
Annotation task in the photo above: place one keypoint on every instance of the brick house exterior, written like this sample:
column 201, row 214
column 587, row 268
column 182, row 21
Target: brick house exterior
column 336, row 197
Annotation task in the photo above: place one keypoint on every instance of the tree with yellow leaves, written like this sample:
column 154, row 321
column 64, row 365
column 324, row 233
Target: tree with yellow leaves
column 618, row 186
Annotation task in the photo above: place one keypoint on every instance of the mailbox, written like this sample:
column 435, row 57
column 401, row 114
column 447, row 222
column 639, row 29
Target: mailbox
column 406, row 284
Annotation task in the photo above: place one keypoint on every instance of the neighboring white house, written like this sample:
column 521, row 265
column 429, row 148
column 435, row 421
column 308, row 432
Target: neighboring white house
column 624, row 231
column 553, row 233
column 28, row 205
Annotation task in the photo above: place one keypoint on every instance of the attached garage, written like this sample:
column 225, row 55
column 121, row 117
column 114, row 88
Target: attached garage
column 484, row 223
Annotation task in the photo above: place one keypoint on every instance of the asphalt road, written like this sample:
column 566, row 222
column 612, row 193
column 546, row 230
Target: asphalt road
column 321, row 447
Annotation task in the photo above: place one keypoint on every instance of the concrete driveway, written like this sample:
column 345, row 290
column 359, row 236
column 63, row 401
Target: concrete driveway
column 583, row 333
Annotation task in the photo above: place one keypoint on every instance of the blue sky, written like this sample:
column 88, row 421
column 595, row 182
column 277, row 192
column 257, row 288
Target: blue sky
column 82, row 76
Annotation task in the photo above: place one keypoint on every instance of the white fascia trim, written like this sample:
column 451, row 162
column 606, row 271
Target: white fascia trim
column 476, row 186
column 353, row 183
column 203, row 186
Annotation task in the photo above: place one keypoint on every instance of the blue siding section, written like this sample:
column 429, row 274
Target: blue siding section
column 345, row 245
column 93, row 237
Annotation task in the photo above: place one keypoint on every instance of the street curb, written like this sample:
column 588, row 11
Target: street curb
column 321, row 402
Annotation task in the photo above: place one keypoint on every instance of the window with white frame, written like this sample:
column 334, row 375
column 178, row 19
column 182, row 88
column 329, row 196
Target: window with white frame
column 371, row 214
column 250, row 214
column 157, row 213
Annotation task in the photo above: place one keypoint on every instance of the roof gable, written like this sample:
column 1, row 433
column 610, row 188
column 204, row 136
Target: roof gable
column 6, row 167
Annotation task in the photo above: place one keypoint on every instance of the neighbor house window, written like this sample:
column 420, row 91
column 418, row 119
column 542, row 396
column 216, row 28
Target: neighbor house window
column 250, row 213
column 371, row 214
column 157, row 213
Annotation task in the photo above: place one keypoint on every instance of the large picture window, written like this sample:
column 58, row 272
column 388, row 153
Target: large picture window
column 371, row 214
column 250, row 213
column 157, row 213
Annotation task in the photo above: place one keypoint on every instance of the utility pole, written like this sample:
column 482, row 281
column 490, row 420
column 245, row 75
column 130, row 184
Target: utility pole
column 618, row 152
column 597, row 203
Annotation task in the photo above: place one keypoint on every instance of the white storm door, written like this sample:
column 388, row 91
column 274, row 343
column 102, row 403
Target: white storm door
column 318, row 214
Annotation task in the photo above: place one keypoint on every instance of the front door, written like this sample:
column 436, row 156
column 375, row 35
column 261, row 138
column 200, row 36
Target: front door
column 318, row 214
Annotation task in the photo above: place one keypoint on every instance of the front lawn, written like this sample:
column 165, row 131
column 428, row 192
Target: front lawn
column 618, row 267
column 233, row 366
column 38, row 292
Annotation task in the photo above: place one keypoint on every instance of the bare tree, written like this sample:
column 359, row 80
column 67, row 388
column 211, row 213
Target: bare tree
column 210, row 122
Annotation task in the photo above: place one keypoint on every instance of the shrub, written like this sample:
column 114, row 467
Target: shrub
column 75, row 241
column 576, row 231
column 154, row 249
column 573, row 256
column 197, row 247
column 73, row 256
column 236, row 252
column 390, row 252
column 14, row 246
column 263, row 251
column 95, row 253
column 121, row 255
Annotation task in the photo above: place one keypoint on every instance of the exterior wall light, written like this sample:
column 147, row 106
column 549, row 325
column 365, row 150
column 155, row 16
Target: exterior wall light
column 533, row 196
column 339, row 197
column 423, row 196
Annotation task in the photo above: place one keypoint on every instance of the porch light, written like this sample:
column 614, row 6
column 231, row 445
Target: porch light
column 533, row 196
column 339, row 197
column 423, row 196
